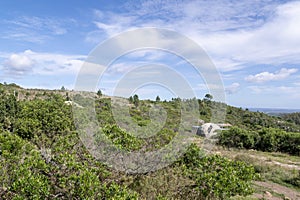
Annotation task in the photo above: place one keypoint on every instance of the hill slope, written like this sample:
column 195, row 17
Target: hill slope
column 42, row 156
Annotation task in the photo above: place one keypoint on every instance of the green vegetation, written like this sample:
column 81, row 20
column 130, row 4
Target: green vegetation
column 272, row 167
column 99, row 93
column 216, row 177
column 197, row 177
column 266, row 139
column 50, row 116
column 42, row 157
column 57, row 172
column 292, row 117
column 248, row 120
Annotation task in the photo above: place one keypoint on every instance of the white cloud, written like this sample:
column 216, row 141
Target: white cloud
column 296, row 83
column 28, row 36
column 233, row 88
column 17, row 64
column 189, row 16
column 34, row 29
column 94, row 37
column 206, row 87
column 271, row 89
column 110, row 29
column 204, row 15
column 111, row 24
column 227, row 64
column 235, row 34
column 121, row 68
column 98, row 13
column 267, row 76
column 148, row 54
column 136, row 58
column 276, row 41
column 52, row 25
column 293, row 92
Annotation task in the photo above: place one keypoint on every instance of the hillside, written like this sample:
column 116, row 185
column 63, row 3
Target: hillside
column 42, row 156
column 292, row 117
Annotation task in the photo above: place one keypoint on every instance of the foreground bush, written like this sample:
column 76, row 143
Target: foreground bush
column 31, row 173
column 216, row 177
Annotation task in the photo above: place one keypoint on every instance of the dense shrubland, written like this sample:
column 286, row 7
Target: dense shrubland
column 265, row 139
column 42, row 157
column 257, row 120
column 292, row 117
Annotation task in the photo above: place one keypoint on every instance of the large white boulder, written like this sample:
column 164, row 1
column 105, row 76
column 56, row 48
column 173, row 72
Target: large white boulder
column 208, row 130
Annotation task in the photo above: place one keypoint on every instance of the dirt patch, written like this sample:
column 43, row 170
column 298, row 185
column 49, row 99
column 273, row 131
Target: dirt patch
column 277, row 189
column 284, row 165
column 267, row 159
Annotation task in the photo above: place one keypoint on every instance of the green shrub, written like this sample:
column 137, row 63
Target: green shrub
column 217, row 177
column 237, row 137
column 266, row 139
column 121, row 138
column 50, row 116
column 22, row 169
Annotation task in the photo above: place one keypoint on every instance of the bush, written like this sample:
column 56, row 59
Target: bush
column 267, row 139
column 22, row 169
column 121, row 138
column 50, row 116
column 8, row 110
column 239, row 138
column 69, row 173
column 216, row 177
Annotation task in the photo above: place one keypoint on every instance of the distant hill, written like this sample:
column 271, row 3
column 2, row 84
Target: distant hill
column 275, row 111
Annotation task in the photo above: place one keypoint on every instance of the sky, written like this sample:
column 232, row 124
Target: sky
column 254, row 45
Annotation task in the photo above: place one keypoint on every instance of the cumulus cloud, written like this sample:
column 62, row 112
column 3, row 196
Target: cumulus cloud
column 17, row 64
column 267, row 76
column 233, row 88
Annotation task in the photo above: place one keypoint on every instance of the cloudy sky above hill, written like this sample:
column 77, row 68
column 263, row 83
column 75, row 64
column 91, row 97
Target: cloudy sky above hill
column 255, row 45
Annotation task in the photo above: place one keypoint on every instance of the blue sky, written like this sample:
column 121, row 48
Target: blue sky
column 255, row 45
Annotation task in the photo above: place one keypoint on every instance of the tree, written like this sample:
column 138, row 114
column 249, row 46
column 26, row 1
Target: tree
column 158, row 99
column 208, row 97
column 136, row 100
column 67, row 97
column 99, row 93
column 63, row 88
column 130, row 99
